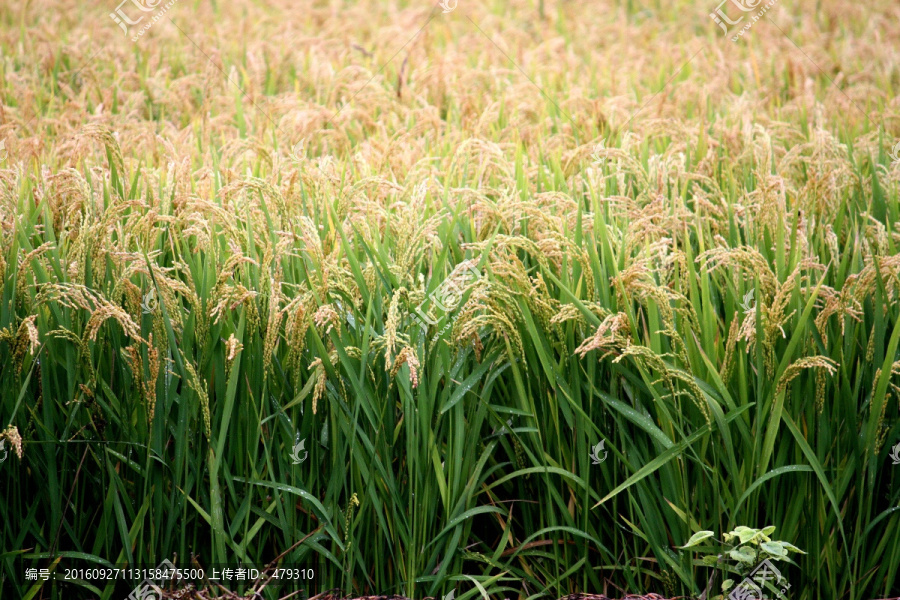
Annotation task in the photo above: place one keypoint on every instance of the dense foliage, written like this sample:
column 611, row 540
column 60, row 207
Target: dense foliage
column 537, row 227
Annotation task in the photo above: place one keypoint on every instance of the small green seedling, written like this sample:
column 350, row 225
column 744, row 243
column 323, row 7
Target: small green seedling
column 739, row 553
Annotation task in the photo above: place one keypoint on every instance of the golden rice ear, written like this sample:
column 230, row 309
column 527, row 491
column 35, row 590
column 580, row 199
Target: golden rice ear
column 153, row 364
column 11, row 434
column 408, row 357
column 200, row 388
column 808, row 362
column 320, row 378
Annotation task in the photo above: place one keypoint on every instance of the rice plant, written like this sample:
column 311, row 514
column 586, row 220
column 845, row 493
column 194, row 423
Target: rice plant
column 513, row 310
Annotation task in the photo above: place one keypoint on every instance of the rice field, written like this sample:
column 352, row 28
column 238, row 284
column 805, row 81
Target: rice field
column 503, row 300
